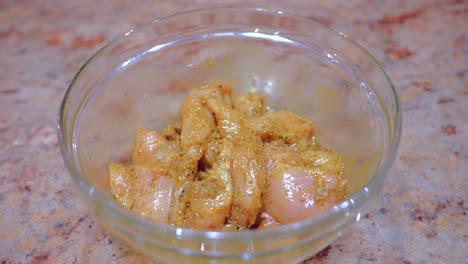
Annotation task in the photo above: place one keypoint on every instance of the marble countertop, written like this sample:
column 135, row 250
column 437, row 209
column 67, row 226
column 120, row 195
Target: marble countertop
column 420, row 217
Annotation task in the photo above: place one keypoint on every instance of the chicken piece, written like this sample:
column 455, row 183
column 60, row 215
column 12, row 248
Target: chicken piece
column 263, row 126
column 205, row 203
column 267, row 222
column 197, row 122
column 197, row 126
column 278, row 154
column 228, row 121
column 151, row 146
column 211, row 152
column 301, row 184
column 250, row 105
column 172, row 132
column 142, row 191
column 121, row 184
column 294, row 129
column 323, row 160
column 249, row 176
column 248, row 164
column 331, row 188
column 291, row 196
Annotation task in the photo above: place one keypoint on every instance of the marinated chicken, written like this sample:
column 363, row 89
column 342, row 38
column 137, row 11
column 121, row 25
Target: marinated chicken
column 229, row 164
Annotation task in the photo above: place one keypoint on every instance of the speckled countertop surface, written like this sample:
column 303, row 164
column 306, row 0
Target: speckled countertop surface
column 420, row 217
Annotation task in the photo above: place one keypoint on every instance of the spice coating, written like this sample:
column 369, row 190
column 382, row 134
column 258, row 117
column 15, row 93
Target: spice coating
column 229, row 164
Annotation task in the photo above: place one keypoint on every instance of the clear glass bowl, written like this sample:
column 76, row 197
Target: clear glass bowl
column 139, row 80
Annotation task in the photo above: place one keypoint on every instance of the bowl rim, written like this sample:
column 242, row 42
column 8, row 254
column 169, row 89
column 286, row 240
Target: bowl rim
column 141, row 223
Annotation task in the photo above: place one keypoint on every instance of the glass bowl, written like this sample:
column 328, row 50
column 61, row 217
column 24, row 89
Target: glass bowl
column 140, row 79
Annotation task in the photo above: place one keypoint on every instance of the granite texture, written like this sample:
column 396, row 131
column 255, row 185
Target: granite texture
column 420, row 217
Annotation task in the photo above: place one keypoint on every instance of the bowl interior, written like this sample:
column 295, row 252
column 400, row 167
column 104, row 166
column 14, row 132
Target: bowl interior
column 146, row 91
